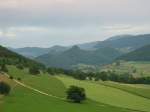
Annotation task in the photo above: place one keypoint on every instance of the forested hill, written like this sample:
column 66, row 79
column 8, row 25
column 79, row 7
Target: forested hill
column 130, row 42
column 75, row 56
column 11, row 58
column 141, row 54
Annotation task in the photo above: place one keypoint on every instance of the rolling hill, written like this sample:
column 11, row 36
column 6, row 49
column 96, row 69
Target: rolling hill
column 141, row 54
column 75, row 56
column 12, row 58
column 33, row 52
column 126, row 42
column 88, row 46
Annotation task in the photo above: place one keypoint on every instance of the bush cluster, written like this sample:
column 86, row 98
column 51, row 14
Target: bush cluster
column 4, row 88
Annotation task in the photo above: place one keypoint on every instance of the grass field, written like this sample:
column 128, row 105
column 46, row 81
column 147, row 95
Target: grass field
column 102, row 96
column 110, row 95
column 43, row 82
column 142, row 68
column 137, row 89
column 22, row 99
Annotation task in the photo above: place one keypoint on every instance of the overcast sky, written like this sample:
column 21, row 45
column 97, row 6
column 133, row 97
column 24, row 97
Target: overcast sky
column 44, row 23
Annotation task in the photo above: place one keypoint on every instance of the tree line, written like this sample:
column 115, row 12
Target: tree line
column 104, row 76
column 80, row 75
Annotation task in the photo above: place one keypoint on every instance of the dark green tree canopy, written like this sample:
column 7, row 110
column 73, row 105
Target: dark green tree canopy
column 4, row 88
column 34, row 70
column 76, row 94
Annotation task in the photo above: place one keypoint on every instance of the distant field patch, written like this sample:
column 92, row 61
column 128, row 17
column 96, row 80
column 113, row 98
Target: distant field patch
column 136, row 68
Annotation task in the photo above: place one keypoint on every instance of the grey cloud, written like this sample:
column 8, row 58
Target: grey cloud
column 50, row 22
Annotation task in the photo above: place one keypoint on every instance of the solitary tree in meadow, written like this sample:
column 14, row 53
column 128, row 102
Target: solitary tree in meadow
column 76, row 94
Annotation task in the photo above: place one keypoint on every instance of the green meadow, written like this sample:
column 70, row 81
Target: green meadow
column 110, row 95
column 100, row 97
column 43, row 82
column 137, row 89
column 24, row 100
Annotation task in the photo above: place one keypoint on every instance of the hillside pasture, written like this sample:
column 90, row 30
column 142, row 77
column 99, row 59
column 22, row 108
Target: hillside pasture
column 22, row 99
column 109, row 95
column 137, row 89
column 43, row 82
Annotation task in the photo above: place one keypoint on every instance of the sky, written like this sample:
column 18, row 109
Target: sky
column 44, row 23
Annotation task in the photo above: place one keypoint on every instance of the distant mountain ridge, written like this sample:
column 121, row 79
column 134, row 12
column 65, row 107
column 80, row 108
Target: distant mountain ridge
column 76, row 55
column 94, row 53
column 33, row 52
column 89, row 45
column 127, row 41
column 119, row 37
column 124, row 43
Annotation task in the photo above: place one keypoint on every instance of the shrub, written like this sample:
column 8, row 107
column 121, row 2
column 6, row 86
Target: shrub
column 19, row 66
column 19, row 79
column 76, row 94
column 103, row 76
column 4, row 88
column 51, row 71
column 4, row 68
column 11, row 77
column 34, row 70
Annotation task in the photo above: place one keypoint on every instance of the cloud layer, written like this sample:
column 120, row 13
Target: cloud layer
column 49, row 22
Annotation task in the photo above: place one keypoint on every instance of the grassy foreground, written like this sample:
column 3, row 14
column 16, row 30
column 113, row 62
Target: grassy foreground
column 22, row 99
column 101, row 98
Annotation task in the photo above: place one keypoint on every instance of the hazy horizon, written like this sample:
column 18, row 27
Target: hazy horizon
column 28, row 23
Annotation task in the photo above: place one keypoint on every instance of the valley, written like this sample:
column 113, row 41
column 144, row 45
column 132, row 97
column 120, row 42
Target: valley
column 114, row 80
column 74, row 56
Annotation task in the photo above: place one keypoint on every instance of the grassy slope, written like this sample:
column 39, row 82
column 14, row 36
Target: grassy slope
column 142, row 68
column 109, row 95
column 24, row 100
column 43, row 82
column 141, row 54
column 137, row 89
column 13, row 85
